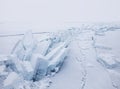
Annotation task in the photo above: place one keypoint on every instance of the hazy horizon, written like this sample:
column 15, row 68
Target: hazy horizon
column 39, row 15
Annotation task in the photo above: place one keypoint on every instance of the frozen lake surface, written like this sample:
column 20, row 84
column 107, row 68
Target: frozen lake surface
column 93, row 60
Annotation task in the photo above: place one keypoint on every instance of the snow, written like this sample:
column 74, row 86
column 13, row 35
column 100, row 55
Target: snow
column 108, row 60
column 94, row 75
column 2, row 68
column 11, row 79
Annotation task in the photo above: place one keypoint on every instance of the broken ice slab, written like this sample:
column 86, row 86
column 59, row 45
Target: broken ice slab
column 27, row 70
column 13, row 63
column 42, row 47
column 34, row 59
column 19, row 51
column 41, row 64
column 28, row 41
column 11, row 80
column 55, row 64
column 23, row 68
column 56, row 44
column 56, row 50
column 24, row 48
column 30, row 60
column 53, row 52
column 40, row 69
column 10, row 66
column 107, row 60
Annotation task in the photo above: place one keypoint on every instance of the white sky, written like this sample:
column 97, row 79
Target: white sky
column 19, row 15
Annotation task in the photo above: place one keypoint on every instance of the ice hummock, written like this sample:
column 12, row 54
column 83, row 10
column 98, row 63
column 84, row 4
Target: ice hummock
column 30, row 60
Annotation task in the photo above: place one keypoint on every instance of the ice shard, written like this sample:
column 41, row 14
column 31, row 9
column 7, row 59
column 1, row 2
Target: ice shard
column 28, row 70
column 11, row 80
column 40, row 69
column 57, row 49
column 42, row 47
column 24, row 48
column 55, row 64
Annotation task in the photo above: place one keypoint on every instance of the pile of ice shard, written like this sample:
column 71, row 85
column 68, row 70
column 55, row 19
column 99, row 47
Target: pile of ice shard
column 33, row 61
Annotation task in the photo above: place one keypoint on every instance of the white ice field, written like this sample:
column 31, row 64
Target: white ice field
column 84, row 57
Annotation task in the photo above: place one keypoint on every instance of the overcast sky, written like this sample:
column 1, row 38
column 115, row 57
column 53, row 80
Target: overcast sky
column 18, row 15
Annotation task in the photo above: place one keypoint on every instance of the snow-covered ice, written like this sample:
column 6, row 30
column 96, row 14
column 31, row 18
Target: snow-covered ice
column 86, row 57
